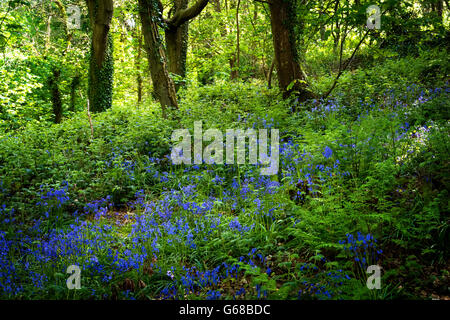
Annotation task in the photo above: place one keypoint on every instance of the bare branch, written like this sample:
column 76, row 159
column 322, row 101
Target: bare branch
column 342, row 69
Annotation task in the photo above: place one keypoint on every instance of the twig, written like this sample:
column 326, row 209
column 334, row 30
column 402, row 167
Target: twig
column 341, row 71
column 90, row 120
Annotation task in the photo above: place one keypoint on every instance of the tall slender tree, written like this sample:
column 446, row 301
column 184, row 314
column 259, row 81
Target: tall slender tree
column 54, row 79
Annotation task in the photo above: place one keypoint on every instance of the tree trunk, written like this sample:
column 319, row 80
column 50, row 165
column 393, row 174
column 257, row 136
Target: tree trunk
column 234, row 71
column 138, row 36
column 164, row 87
column 177, row 34
column 177, row 43
column 73, row 87
column 440, row 9
column 217, row 7
column 238, row 45
column 56, row 95
column 282, row 14
column 101, row 65
column 269, row 77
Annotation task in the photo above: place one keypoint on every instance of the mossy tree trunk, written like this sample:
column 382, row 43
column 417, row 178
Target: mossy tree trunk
column 73, row 87
column 101, row 64
column 56, row 95
column 438, row 7
column 164, row 88
column 137, row 34
column 177, row 34
column 55, row 77
column 177, row 43
column 290, row 76
column 138, row 68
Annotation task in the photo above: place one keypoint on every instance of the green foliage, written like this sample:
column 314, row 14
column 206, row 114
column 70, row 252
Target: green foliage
column 44, row 156
column 372, row 189
column 369, row 163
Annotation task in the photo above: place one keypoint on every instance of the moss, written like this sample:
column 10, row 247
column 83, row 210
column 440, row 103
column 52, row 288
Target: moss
column 290, row 24
column 101, row 80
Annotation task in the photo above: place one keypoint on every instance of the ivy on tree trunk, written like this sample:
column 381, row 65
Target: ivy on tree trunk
column 177, row 43
column 164, row 88
column 290, row 76
column 177, row 33
column 101, row 64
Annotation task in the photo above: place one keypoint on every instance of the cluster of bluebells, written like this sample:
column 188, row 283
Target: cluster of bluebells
column 182, row 219
column 328, row 152
column 362, row 248
column 258, row 121
column 158, row 225
column 324, row 108
column 116, row 159
column 9, row 280
column 99, row 208
column 96, row 249
column 321, row 284
column 7, row 215
column 301, row 166
column 83, row 244
column 316, row 290
column 53, row 199
column 303, row 169
column 191, row 281
column 403, row 131
column 213, row 295
column 237, row 226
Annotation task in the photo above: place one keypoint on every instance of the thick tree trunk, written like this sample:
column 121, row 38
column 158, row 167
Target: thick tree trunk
column 177, row 34
column 101, row 66
column 286, row 57
column 164, row 87
column 177, row 43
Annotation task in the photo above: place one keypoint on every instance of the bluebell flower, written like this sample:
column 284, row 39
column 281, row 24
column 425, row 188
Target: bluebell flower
column 327, row 152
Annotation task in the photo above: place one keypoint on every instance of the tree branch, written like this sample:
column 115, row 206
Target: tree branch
column 184, row 15
column 342, row 69
column 262, row 1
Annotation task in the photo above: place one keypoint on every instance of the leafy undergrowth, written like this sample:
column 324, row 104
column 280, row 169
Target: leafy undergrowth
column 358, row 185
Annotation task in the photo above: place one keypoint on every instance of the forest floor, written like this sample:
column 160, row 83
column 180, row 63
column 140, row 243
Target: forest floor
column 362, row 181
